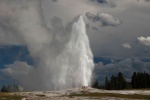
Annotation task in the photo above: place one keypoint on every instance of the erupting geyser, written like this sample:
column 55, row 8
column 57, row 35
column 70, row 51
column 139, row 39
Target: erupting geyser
column 62, row 58
column 81, row 54
column 72, row 66
column 77, row 64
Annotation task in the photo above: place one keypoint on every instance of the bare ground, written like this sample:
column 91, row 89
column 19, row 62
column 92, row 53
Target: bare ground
column 85, row 93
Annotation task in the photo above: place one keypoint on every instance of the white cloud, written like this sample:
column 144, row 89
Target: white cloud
column 23, row 73
column 105, row 19
column 144, row 40
column 126, row 45
column 18, row 69
column 29, row 77
column 127, row 67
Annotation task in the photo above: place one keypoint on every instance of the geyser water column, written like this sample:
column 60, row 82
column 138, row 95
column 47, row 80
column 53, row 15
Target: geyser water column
column 76, row 59
column 82, row 55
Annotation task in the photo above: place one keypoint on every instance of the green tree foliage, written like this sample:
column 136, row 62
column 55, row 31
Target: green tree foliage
column 121, row 83
column 133, row 80
column 95, row 83
column 10, row 88
column 140, row 80
column 116, row 82
column 107, row 84
column 3, row 89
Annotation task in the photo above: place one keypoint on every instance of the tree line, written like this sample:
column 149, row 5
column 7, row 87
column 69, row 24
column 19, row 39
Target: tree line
column 118, row 82
column 140, row 80
column 10, row 88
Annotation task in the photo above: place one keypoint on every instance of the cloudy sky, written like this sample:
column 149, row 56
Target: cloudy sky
column 118, row 31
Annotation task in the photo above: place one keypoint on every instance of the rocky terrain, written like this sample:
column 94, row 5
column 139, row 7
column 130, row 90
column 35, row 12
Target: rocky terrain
column 84, row 93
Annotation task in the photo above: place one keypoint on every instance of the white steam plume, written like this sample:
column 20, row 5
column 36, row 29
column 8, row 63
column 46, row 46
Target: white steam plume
column 62, row 60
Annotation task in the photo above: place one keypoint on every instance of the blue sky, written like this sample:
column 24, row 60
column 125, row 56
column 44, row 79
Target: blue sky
column 34, row 32
column 8, row 55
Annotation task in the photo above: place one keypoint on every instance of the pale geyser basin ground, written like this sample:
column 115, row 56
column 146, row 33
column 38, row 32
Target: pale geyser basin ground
column 71, row 94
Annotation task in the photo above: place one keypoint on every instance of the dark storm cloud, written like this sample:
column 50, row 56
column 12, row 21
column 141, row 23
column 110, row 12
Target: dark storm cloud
column 147, row 0
column 55, row 0
column 127, row 66
column 100, row 1
column 107, row 3
column 95, row 28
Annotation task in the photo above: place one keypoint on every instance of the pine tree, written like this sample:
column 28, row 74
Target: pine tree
column 8, row 88
column 95, row 83
column 112, row 82
column 140, row 80
column 3, row 89
column 133, row 80
column 107, row 84
column 15, row 87
column 121, row 81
